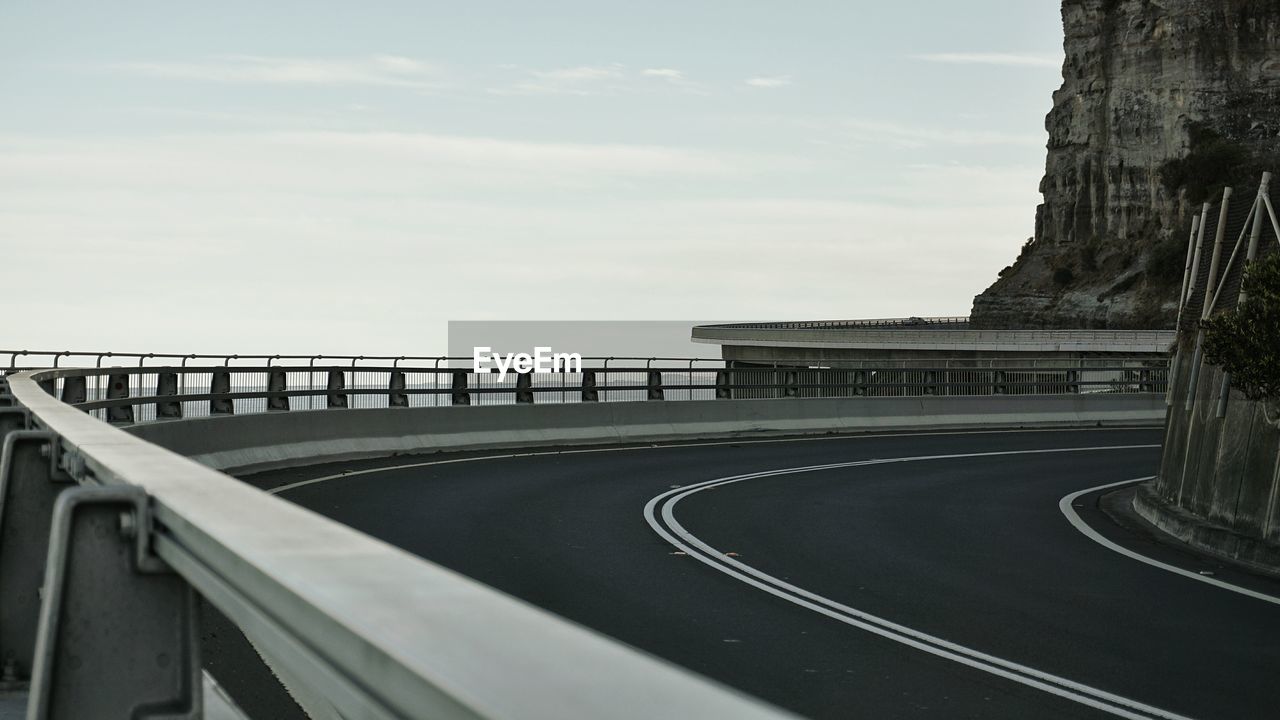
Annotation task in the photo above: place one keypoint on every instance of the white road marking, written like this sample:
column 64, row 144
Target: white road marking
column 682, row 539
column 712, row 443
column 1065, row 505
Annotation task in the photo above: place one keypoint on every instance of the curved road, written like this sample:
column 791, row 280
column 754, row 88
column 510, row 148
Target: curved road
column 894, row 576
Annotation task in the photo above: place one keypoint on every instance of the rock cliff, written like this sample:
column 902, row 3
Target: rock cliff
column 1162, row 104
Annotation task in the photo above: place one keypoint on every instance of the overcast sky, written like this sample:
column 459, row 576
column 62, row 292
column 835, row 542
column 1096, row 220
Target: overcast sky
column 346, row 177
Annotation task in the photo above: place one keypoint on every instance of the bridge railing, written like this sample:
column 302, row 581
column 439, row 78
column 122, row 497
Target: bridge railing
column 123, row 395
column 107, row 541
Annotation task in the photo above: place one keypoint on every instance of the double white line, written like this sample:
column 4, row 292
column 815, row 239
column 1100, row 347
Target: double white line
column 660, row 514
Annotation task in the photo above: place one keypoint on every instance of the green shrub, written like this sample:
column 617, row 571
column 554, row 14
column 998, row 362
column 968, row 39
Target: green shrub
column 1245, row 341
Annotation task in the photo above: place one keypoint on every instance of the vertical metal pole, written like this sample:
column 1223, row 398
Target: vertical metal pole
column 1255, row 234
column 1195, row 261
column 1207, row 303
column 1186, row 270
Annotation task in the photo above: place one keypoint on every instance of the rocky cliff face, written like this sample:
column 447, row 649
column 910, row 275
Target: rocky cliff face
column 1163, row 102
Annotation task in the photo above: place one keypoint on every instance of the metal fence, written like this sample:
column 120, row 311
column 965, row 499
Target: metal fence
column 107, row 541
column 145, row 393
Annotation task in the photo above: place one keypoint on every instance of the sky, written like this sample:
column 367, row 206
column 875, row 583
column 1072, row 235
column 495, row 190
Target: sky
column 301, row 177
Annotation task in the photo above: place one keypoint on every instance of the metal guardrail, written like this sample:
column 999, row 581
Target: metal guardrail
column 107, row 540
column 121, row 536
column 954, row 322
column 143, row 394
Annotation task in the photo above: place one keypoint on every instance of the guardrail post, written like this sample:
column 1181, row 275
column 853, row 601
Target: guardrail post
column 74, row 390
column 117, row 389
column 166, row 384
column 459, row 394
column 860, row 382
column 724, row 384
column 589, row 393
column 337, row 383
column 524, row 393
column 789, row 383
column 29, row 485
column 277, row 385
column 396, row 397
column 220, row 384
column 13, row 418
column 998, row 386
column 117, row 636
column 655, row 385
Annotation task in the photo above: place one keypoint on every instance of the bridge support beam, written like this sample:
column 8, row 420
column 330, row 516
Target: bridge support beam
column 29, row 485
column 117, row 635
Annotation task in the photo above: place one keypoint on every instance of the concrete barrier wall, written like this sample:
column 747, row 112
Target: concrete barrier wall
column 249, row 443
column 1218, row 486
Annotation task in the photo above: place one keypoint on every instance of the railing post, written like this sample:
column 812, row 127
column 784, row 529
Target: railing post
column 337, row 383
column 724, row 384
column 74, row 390
column 589, row 393
column 860, row 382
column 458, row 394
column 654, row 383
column 790, row 381
column 220, row 384
column 167, row 384
column 117, row 389
column 524, row 393
column 277, row 385
column 107, row 597
column 396, row 397
column 30, row 482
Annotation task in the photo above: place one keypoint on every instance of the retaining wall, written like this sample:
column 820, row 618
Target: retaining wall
column 1218, row 487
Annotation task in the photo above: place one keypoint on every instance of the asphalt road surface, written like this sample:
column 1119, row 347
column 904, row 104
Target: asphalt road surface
column 893, row 576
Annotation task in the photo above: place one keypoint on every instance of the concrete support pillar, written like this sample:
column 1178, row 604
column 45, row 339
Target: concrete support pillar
column 167, row 384
column 459, row 394
column 118, row 389
column 277, row 385
column 336, row 398
column 220, row 384
column 724, row 384
column 74, row 390
column 524, row 393
column 654, row 383
column 396, row 396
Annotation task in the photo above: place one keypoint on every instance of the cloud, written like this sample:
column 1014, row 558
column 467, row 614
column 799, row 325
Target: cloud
column 578, row 80
column 1006, row 59
column 769, row 82
column 385, row 70
column 667, row 73
column 855, row 133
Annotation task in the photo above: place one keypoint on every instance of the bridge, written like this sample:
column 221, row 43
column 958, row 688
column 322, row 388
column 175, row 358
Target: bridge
column 928, row 339
column 394, row 537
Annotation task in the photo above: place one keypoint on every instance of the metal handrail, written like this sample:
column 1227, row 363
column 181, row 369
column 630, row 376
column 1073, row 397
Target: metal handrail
column 378, row 385
column 370, row 629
